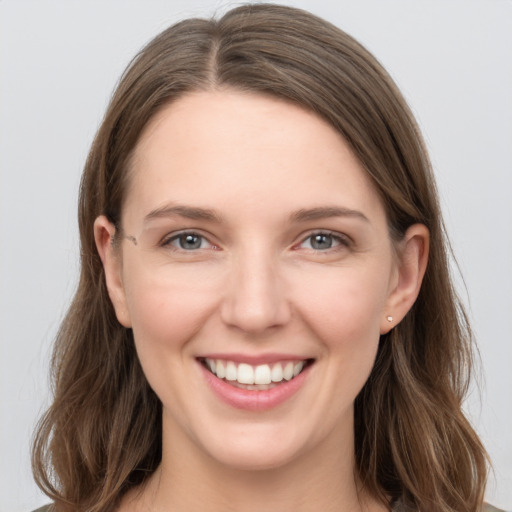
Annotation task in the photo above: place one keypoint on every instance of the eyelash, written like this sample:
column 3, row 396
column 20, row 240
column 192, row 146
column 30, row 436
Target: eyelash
column 339, row 239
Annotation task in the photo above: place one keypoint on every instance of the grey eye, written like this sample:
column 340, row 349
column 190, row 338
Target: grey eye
column 189, row 241
column 321, row 241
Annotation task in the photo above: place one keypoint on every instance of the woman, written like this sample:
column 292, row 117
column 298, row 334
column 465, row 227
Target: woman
column 265, row 316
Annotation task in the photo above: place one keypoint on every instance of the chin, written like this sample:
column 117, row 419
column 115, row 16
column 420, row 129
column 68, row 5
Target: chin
column 254, row 460
column 256, row 452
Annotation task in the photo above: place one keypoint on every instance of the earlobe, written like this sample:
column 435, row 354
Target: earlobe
column 412, row 264
column 104, row 233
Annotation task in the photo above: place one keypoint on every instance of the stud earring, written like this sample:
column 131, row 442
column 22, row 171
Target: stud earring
column 390, row 318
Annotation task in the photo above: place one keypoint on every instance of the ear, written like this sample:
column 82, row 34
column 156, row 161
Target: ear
column 412, row 263
column 104, row 233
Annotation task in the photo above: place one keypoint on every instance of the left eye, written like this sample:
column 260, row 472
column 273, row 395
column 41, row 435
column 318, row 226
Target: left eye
column 322, row 241
column 188, row 242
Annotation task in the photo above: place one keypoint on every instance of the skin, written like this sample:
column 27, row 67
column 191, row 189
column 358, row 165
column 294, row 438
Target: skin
column 256, row 285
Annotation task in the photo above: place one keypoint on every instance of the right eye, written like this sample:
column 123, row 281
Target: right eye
column 188, row 241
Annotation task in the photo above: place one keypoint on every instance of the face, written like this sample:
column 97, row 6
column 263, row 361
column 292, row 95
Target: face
column 257, row 274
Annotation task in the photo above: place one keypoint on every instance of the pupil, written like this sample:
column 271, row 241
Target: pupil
column 321, row 242
column 190, row 242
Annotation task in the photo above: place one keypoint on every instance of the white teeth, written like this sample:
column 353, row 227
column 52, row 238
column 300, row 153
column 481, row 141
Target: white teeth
column 287, row 372
column 254, row 377
column 231, row 373
column 298, row 368
column 221, row 371
column 245, row 374
column 262, row 374
column 277, row 373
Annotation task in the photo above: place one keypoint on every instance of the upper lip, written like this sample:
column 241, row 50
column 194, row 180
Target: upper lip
column 254, row 359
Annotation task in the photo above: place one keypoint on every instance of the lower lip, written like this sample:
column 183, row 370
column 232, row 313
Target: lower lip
column 253, row 400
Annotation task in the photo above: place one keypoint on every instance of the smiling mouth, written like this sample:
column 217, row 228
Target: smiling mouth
column 255, row 377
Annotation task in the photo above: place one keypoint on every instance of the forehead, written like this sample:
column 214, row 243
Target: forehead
column 228, row 148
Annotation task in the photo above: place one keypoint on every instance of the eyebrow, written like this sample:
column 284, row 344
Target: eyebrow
column 189, row 212
column 302, row 215
column 326, row 212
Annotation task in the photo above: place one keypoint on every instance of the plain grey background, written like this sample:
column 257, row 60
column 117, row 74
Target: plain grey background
column 59, row 62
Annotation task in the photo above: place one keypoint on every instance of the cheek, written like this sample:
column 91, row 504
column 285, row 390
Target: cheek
column 167, row 310
column 344, row 306
column 165, row 315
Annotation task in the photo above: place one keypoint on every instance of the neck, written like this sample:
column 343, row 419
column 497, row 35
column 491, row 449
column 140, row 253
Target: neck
column 321, row 479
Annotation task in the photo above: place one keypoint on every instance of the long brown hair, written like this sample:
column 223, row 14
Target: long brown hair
column 102, row 435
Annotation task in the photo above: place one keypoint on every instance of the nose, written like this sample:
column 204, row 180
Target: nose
column 254, row 300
